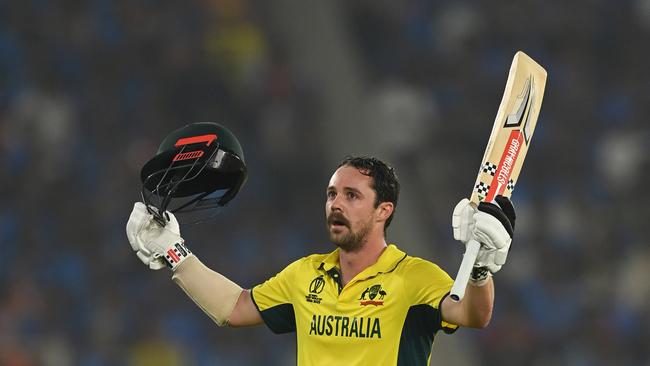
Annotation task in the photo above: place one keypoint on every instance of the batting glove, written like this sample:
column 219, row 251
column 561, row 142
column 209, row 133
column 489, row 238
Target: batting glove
column 156, row 246
column 492, row 225
column 462, row 221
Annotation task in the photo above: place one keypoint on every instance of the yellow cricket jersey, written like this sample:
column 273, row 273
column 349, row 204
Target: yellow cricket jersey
column 387, row 315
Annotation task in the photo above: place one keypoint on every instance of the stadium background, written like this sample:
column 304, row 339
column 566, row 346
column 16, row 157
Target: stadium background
column 89, row 88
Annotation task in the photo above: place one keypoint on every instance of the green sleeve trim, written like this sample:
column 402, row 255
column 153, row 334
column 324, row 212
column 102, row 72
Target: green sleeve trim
column 279, row 318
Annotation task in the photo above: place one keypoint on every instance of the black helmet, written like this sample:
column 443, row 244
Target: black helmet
column 199, row 166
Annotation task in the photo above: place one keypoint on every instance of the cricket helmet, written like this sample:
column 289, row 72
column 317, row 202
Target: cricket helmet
column 198, row 167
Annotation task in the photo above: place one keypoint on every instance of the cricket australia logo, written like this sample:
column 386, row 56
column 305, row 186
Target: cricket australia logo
column 315, row 287
column 375, row 295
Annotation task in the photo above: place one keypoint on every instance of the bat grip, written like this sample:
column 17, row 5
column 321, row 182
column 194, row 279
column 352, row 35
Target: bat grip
column 458, row 289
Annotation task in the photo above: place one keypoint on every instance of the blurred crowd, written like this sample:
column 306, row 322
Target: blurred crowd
column 89, row 88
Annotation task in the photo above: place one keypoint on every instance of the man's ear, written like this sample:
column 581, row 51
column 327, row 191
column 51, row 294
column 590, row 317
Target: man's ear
column 384, row 210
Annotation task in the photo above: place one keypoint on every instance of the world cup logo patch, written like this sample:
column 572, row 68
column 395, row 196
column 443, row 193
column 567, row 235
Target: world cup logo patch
column 316, row 286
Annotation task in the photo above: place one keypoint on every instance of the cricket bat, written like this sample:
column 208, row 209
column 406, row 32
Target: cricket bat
column 506, row 149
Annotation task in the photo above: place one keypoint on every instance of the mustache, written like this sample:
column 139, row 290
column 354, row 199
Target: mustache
column 337, row 217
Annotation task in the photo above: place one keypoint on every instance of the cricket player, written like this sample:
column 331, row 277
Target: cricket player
column 365, row 303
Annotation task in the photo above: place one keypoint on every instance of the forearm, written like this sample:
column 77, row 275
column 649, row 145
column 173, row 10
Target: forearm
column 477, row 304
column 159, row 246
column 212, row 292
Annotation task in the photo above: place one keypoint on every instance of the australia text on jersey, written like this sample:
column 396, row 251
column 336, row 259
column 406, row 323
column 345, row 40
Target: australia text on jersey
column 345, row 326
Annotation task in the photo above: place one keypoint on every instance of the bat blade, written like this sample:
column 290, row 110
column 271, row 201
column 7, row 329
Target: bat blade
column 507, row 147
column 512, row 130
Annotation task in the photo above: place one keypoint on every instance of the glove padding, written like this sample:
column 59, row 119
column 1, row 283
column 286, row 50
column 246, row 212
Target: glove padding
column 148, row 239
column 491, row 224
column 462, row 221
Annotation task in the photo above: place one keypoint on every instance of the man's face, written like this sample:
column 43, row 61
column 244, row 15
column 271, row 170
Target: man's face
column 350, row 208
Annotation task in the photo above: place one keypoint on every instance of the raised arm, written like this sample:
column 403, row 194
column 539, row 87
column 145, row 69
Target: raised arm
column 474, row 310
column 492, row 225
column 245, row 312
column 222, row 300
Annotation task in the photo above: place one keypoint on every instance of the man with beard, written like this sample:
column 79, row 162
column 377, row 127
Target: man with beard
column 365, row 303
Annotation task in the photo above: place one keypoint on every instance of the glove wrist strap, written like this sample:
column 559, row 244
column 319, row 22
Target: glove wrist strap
column 479, row 276
column 176, row 254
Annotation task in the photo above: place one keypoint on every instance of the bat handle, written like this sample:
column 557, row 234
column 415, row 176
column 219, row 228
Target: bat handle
column 458, row 289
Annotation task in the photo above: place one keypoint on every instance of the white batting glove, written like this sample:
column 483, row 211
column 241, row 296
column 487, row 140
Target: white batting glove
column 492, row 225
column 156, row 246
column 140, row 217
column 462, row 221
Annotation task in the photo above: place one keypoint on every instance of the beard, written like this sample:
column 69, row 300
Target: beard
column 352, row 240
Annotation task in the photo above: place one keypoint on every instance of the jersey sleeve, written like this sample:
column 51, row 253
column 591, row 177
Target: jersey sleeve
column 274, row 300
column 427, row 284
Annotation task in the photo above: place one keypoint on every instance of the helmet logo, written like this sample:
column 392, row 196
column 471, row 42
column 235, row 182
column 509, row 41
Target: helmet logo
column 188, row 155
column 196, row 139
column 193, row 140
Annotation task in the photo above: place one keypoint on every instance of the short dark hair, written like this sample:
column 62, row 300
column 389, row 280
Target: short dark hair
column 384, row 179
